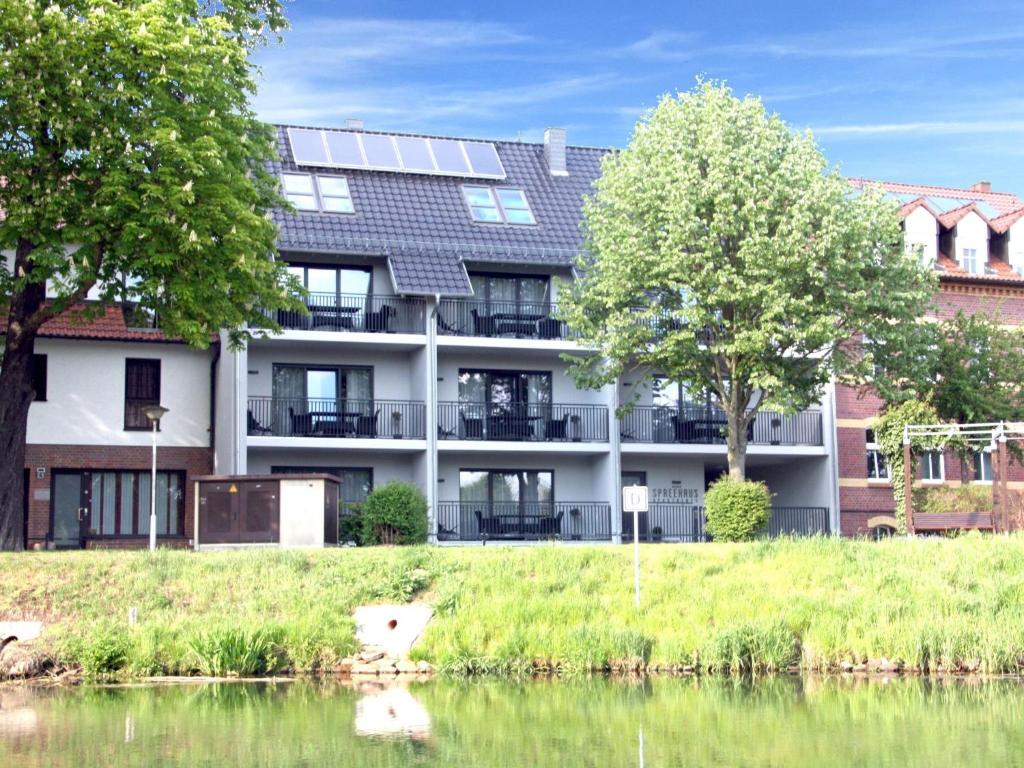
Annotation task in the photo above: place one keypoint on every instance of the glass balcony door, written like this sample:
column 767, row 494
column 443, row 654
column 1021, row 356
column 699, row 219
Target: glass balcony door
column 498, row 404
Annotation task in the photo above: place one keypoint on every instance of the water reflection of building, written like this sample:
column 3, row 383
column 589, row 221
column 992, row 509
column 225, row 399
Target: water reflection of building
column 392, row 712
column 17, row 718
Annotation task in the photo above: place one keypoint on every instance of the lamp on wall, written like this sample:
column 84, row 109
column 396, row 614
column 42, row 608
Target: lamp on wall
column 154, row 413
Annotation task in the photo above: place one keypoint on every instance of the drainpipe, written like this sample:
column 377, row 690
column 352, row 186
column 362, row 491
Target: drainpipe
column 432, row 466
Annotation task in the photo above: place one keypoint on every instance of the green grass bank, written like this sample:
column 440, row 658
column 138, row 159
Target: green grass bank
column 927, row 604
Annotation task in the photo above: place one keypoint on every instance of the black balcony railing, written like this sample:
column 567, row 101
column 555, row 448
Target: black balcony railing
column 693, row 423
column 666, row 522
column 357, row 312
column 530, row 422
column 798, row 521
column 523, row 520
column 686, row 522
column 501, row 319
column 329, row 417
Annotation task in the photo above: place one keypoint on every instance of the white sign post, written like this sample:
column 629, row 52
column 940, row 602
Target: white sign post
column 634, row 499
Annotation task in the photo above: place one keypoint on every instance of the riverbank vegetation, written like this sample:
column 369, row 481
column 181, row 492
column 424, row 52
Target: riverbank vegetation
column 925, row 604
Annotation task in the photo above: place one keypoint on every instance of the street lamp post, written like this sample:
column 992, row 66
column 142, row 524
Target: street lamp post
column 154, row 413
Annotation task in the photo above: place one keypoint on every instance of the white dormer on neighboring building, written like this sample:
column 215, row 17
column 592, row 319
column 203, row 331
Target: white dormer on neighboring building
column 1008, row 231
column 965, row 238
column 921, row 230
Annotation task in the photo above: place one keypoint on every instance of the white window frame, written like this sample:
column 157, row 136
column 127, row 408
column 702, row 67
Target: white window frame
column 875, row 457
column 322, row 196
column 317, row 192
column 495, row 199
column 942, row 466
column 312, row 190
column 972, row 260
column 982, row 480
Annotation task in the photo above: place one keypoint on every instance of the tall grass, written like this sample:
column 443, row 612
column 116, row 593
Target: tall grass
column 949, row 604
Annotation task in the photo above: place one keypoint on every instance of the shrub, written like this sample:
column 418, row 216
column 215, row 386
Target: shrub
column 236, row 651
column 395, row 513
column 947, row 499
column 350, row 525
column 102, row 651
column 736, row 509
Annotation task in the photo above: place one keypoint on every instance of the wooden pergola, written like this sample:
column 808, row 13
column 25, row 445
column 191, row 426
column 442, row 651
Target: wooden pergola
column 993, row 436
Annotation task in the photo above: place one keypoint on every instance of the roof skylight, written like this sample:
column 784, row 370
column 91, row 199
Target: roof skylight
column 498, row 206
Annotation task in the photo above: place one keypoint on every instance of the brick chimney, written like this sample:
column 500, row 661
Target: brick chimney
column 353, row 124
column 554, row 151
column 981, row 186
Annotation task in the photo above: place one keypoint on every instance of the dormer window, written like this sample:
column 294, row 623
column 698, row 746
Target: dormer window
column 969, row 261
column 498, row 206
column 329, row 194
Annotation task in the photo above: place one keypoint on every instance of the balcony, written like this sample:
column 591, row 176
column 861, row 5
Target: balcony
column 359, row 313
column 498, row 319
column 535, row 423
column 704, row 424
column 666, row 522
column 523, row 521
column 320, row 417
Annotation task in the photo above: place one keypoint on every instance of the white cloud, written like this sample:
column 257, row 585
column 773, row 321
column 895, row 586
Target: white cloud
column 921, row 128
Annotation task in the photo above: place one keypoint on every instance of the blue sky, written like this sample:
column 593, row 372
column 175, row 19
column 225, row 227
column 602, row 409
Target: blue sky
column 921, row 92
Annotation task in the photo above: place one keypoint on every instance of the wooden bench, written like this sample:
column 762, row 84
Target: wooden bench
column 953, row 521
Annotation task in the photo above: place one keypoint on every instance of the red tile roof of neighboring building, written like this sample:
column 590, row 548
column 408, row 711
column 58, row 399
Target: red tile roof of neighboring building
column 995, row 270
column 1002, row 223
column 951, row 217
column 1004, row 202
column 108, row 325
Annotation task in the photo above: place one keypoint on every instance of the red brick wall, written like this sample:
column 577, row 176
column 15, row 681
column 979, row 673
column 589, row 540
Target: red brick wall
column 192, row 461
column 856, row 502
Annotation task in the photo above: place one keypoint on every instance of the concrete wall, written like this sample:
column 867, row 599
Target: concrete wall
column 231, row 422
column 1015, row 246
column 803, row 482
column 922, row 228
column 85, row 394
column 673, row 479
column 386, row 467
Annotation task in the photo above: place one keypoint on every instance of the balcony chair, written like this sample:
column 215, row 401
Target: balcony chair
column 366, row 426
column 380, row 321
column 255, row 427
column 550, row 328
column 488, row 526
column 472, row 427
column 484, row 325
column 556, row 429
column 302, row 423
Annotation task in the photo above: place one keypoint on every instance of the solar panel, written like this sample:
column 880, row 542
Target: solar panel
column 449, row 156
column 987, row 209
column 415, row 154
column 380, row 151
column 383, row 152
column 483, row 158
column 344, row 148
column 307, row 146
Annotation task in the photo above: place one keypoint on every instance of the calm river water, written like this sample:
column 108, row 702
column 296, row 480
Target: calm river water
column 661, row 722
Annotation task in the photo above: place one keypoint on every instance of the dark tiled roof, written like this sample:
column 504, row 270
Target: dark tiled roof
column 422, row 225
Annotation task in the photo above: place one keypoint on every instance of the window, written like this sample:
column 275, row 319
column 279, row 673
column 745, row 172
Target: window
column 931, row 467
column 498, row 206
column 39, row 377
column 298, row 188
column 141, row 389
column 334, row 194
column 877, row 468
column 325, row 283
column 503, row 405
column 508, row 491
column 330, row 193
column 512, row 293
column 119, row 503
column 983, row 466
column 323, row 401
column 969, row 261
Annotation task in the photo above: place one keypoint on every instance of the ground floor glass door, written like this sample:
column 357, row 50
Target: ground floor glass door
column 70, row 507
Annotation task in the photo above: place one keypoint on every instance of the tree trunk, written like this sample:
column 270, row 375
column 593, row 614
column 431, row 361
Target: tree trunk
column 736, row 441
column 16, row 395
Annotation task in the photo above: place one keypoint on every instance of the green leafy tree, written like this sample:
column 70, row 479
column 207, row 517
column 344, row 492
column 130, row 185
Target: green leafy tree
column 968, row 367
column 723, row 253
column 133, row 168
